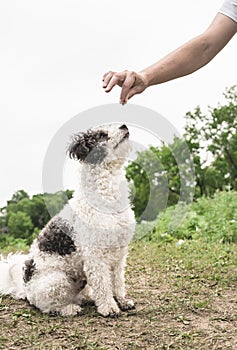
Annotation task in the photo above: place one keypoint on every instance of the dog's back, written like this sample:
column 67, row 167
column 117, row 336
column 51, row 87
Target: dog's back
column 11, row 281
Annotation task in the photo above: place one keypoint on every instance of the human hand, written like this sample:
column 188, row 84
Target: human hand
column 132, row 83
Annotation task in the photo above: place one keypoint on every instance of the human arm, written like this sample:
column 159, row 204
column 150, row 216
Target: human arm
column 185, row 60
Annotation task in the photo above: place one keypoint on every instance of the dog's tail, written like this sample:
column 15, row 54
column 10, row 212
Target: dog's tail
column 11, row 277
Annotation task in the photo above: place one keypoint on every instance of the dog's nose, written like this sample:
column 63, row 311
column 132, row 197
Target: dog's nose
column 123, row 127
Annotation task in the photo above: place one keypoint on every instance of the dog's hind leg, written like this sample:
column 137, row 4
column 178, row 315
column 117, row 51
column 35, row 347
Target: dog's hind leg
column 84, row 296
column 52, row 293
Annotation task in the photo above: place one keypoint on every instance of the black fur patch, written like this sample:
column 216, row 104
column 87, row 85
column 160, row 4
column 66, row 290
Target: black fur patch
column 55, row 237
column 89, row 146
column 28, row 270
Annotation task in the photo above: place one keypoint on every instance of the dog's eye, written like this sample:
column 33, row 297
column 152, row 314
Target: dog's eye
column 103, row 135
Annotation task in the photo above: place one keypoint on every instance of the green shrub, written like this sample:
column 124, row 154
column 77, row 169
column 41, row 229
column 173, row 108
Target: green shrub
column 11, row 244
column 214, row 219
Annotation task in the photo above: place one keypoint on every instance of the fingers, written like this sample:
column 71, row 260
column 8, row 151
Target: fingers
column 111, row 79
column 130, row 94
column 127, row 86
column 132, row 83
column 106, row 78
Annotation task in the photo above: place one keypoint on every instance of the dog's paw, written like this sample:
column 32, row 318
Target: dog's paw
column 126, row 304
column 109, row 310
column 70, row 310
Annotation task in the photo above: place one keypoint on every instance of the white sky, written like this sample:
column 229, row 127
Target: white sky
column 53, row 55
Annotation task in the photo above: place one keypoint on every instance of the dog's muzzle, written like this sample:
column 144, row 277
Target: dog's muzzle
column 125, row 136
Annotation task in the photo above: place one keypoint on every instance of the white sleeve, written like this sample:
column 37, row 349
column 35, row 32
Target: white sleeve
column 229, row 8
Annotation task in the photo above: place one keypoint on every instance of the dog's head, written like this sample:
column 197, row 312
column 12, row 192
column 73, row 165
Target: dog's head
column 102, row 145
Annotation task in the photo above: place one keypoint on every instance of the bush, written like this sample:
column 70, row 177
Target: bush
column 214, row 219
column 11, row 244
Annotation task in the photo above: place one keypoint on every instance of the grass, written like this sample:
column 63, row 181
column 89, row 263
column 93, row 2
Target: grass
column 185, row 299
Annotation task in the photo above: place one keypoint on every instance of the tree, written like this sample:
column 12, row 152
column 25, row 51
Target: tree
column 147, row 182
column 17, row 196
column 161, row 176
column 37, row 212
column 210, row 139
column 215, row 136
column 20, row 225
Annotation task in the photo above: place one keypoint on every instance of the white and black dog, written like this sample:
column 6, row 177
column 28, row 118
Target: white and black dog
column 80, row 254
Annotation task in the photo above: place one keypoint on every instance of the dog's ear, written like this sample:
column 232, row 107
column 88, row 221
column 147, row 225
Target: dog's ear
column 78, row 149
column 84, row 147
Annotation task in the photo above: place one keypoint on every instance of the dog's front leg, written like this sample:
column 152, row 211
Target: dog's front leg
column 118, row 282
column 98, row 277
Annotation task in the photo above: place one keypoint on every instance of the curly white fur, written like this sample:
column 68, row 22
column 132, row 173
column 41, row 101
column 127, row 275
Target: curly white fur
column 81, row 253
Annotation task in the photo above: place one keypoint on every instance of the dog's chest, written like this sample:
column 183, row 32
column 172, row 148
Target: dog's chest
column 99, row 220
column 104, row 229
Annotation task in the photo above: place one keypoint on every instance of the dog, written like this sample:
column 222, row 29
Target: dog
column 80, row 255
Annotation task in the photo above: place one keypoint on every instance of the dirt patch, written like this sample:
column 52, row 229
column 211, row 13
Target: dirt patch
column 177, row 307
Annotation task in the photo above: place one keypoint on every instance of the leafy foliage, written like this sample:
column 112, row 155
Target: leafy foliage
column 214, row 219
column 208, row 150
column 20, row 223
column 23, row 217
column 155, row 177
column 214, row 136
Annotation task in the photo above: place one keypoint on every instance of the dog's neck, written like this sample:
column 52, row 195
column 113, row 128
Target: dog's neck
column 103, row 187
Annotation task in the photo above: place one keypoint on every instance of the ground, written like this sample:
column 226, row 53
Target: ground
column 186, row 298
